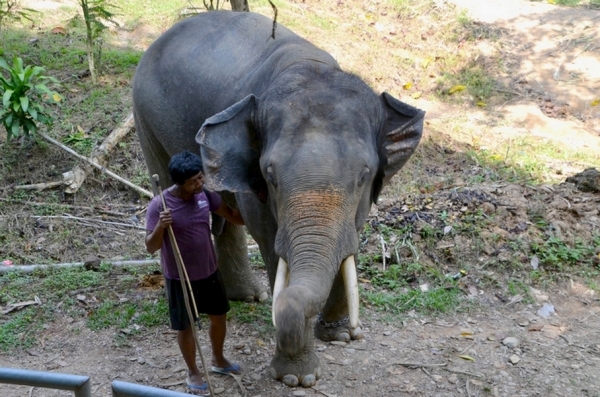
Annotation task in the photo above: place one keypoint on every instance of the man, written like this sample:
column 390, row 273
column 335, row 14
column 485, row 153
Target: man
column 187, row 212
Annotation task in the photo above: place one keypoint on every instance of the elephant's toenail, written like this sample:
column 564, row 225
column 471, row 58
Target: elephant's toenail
column 309, row 380
column 290, row 380
column 357, row 333
column 343, row 337
column 318, row 373
column 263, row 296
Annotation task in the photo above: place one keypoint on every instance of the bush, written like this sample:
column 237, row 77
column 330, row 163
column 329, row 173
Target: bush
column 23, row 94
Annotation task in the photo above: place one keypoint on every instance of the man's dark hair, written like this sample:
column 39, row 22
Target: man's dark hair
column 183, row 166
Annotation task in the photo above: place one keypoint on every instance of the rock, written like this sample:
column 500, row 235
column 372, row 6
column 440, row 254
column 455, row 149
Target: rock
column 92, row 263
column 299, row 393
column 453, row 379
column 510, row 342
column 586, row 181
column 514, row 359
column 488, row 208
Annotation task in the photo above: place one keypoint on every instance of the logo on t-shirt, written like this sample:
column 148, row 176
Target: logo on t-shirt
column 202, row 203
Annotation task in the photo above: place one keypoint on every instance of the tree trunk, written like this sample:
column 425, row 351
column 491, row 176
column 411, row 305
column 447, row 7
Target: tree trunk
column 240, row 5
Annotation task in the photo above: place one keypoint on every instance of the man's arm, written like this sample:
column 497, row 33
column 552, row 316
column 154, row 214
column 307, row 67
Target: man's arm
column 154, row 238
column 232, row 215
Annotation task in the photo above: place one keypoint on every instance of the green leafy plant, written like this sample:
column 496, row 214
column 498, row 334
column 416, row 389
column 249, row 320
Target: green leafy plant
column 95, row 13
column 10, row 10
column 23, row 94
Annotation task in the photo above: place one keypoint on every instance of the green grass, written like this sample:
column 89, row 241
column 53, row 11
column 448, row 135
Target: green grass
column 435, row 301
column 556, row 255
column 576, row 3
column 255, row 314
column 19, row 329
column 78, row 293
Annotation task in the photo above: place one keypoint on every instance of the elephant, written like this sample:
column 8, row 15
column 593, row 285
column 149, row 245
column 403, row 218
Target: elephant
column 299, row 146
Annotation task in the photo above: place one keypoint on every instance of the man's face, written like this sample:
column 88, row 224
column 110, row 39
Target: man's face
column 194, row 184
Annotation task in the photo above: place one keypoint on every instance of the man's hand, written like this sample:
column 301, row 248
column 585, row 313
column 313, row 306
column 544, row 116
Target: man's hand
column 164, row 219
column 154, row 238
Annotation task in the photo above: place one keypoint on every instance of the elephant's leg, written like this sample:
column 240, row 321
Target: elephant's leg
column 155, row 155
column 263, row 228
column 232, row 253
column 332, row 323
column 295, row 361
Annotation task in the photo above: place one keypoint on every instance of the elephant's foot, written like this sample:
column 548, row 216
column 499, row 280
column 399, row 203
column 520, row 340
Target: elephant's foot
column 301, row 371
column 247, row 293
column 337, row 330
column 242, row 285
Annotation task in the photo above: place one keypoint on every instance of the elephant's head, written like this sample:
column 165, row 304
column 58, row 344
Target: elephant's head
column 319, row 154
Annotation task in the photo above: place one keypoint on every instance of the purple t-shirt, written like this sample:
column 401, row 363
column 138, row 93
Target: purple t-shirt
column 191, row 227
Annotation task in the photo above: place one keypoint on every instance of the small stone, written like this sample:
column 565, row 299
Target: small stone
column 328, row 357
column 514, row 359
column 339, row 343
column 437, row 378
column 453, row 379
column 219, row 390
column 510, row 342
column 488, row 208
column 387, row 333
column 299, row 393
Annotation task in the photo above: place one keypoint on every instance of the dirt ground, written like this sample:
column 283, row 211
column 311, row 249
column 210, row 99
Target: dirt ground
column 463, row 354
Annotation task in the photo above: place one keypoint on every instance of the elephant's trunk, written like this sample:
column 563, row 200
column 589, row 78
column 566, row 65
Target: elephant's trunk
column 292, row 322
column 315, row 235
column 318, row 235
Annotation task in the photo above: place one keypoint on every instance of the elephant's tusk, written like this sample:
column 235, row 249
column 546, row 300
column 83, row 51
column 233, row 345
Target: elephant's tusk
column 281, row 281
column 351, row 284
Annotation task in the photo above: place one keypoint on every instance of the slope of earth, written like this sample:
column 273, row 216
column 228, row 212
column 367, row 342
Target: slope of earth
column 554, row 58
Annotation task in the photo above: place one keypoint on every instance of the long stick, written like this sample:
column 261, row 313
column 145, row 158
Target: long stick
column 183, row 277
column 101, row 168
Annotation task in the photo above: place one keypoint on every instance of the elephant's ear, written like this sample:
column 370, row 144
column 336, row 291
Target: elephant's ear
column 398, row 139
column 230, row 147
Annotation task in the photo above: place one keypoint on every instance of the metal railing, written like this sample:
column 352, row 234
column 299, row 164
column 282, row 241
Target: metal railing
column 81, row 385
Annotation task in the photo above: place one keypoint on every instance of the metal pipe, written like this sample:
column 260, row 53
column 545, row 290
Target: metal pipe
column 124, row 389
column 31, row 268
column 79, row 384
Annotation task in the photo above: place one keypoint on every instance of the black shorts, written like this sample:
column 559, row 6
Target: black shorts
column 209, row 294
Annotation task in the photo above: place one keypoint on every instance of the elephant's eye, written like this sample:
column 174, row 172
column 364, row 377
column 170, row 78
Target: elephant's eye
column 271, row 176
column 364, row 176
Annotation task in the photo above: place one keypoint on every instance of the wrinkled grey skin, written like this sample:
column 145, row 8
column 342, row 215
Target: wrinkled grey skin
column 301, row 147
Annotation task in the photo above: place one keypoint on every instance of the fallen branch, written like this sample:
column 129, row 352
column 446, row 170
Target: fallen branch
column 98, row 166
column 17, row 306
column 36, row 186
column 76, row 177
column 420, row 365
column 456, row 371
column 77, row 207
column 76, row 218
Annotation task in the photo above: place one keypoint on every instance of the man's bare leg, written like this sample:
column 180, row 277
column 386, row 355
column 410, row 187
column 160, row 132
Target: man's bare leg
column 216, row 332
column 187, row 345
